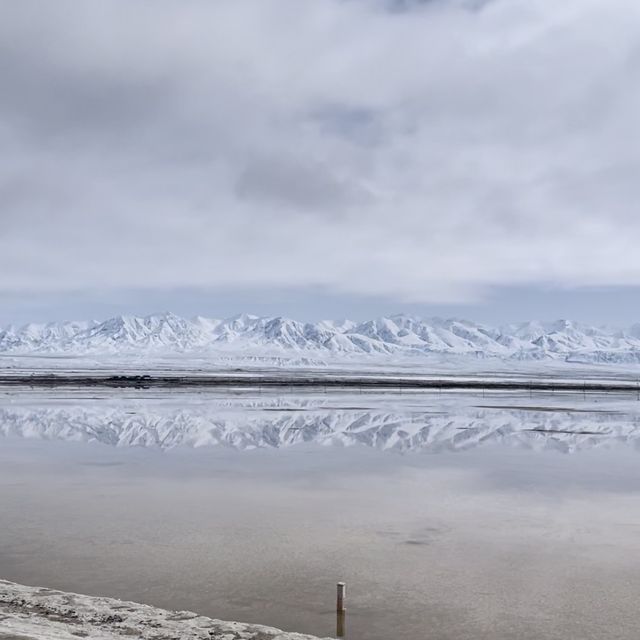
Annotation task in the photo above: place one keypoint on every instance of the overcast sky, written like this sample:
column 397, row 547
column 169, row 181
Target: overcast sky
column 322, row 157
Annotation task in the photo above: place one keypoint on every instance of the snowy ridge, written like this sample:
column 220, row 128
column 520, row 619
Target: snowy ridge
column 252, row 336
column 245, row 427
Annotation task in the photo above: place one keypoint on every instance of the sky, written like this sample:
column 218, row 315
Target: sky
column 320, row 158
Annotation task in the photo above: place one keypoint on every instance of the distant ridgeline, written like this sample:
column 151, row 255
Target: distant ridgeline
column 397, row 335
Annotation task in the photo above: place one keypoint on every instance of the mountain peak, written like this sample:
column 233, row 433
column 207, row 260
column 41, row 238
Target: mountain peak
column 400, row 335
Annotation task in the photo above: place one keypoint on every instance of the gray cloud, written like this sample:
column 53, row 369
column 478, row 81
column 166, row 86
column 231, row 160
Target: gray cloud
column 293, row 183
column 428, row 154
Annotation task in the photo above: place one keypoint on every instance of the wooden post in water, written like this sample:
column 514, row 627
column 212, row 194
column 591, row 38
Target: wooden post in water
column 340, row 599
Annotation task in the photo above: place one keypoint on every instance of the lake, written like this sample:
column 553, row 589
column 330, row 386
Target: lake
column 449, row 516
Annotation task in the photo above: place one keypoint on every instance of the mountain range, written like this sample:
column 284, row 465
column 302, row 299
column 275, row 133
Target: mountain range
column 398, row 335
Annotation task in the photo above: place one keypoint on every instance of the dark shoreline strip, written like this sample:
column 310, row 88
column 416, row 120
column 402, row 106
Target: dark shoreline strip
column 309, row 382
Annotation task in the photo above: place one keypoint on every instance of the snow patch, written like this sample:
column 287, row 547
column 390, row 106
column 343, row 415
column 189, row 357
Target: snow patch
column 33, row 613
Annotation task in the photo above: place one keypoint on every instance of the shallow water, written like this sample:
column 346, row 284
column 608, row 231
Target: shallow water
column 448, row 517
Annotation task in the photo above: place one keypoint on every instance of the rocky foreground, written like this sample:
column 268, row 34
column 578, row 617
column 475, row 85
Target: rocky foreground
column 29, row 613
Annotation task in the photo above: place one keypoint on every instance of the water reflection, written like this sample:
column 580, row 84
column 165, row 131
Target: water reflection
column 412, row 423
column 490, row 542
column 340, row 624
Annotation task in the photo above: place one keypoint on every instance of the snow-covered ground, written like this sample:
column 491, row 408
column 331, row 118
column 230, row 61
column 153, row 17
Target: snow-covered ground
column 399, row 342
column 28, row 613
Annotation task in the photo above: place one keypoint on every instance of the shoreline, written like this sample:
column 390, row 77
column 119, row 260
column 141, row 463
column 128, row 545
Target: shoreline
column 301, row 380
column 35, row 613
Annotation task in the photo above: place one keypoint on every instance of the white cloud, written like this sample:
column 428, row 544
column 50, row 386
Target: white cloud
column 426, row 151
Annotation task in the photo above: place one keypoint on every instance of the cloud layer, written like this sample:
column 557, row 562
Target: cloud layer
column 427, row 151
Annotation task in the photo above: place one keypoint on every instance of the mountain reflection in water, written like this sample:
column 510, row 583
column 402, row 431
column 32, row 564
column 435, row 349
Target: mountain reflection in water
column 413, row 422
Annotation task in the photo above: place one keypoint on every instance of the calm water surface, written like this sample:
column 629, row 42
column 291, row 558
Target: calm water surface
column 448, row 518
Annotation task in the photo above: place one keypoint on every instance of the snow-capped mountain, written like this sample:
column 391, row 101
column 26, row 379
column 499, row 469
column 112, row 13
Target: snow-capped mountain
column 398, row 335
column 36, row 336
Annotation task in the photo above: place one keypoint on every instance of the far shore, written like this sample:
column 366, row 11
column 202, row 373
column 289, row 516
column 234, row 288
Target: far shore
column 293, row 380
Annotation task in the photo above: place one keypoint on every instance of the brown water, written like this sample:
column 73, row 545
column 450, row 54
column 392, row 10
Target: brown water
column 495, row 542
